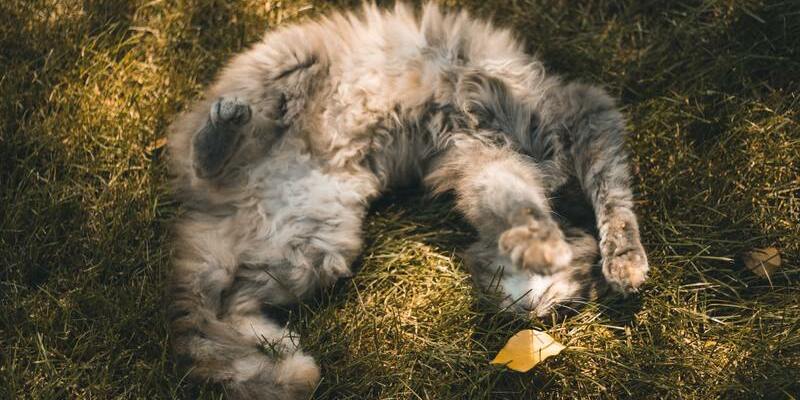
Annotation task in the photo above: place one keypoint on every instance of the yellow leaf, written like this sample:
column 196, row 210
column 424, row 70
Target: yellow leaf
column 762, row 262
column 526, row 349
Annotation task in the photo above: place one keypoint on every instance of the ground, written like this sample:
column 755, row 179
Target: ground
column 712, row 91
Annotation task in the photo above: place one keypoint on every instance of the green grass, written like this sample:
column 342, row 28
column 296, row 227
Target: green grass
column 712, row 89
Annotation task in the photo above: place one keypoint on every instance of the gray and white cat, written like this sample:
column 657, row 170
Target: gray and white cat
column 277, row 165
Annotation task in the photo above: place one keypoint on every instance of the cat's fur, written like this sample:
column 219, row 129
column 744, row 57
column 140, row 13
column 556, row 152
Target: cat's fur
column 277, row 165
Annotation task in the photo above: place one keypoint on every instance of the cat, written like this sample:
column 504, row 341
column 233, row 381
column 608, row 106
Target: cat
column 278, row 163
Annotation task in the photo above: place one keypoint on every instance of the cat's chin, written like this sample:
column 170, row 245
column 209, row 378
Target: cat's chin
column 537, row 295
column 540, row 295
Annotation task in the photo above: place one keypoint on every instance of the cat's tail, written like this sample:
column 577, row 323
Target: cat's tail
column 251, row 356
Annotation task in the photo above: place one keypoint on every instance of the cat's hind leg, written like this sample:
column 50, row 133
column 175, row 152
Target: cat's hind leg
column 301, row 234
column 239, row 347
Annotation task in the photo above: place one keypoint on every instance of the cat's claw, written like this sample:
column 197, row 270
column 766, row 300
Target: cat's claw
column 539, row 247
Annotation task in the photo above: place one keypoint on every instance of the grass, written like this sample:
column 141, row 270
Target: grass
column 712, row 89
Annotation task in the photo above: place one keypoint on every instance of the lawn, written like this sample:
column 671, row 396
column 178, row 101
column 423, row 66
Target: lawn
column 712, row 92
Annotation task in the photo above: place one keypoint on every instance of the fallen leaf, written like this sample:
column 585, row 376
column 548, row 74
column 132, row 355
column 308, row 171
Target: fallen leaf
column 526, row 349
column 762, row 262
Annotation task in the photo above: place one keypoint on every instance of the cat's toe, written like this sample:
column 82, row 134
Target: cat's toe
column 626, row 272
column 541, row 249
column 230, row 111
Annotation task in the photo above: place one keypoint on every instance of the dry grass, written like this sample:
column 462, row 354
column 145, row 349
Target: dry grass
column 713, row 92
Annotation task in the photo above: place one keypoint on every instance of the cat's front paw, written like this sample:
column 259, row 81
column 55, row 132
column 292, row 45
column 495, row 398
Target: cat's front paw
column 214, row 144
column 538, row 246
column 230, row 112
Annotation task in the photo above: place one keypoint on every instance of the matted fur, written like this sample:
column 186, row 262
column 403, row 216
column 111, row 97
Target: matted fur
column 279, row 161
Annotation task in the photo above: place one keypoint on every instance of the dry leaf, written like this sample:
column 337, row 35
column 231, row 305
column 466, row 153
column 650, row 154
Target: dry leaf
column 762, row 262
column 526, row 349
column 157, row 144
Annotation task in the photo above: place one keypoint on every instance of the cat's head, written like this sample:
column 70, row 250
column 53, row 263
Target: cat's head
column 524, row 291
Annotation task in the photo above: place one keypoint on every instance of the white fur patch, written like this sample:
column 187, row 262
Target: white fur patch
column 248, row 367
column 298, row 369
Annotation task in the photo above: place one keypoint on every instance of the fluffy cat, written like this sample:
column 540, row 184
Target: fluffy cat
column 277, row 165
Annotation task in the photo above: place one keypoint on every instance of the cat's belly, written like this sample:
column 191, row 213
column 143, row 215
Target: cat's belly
column 299, row 210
